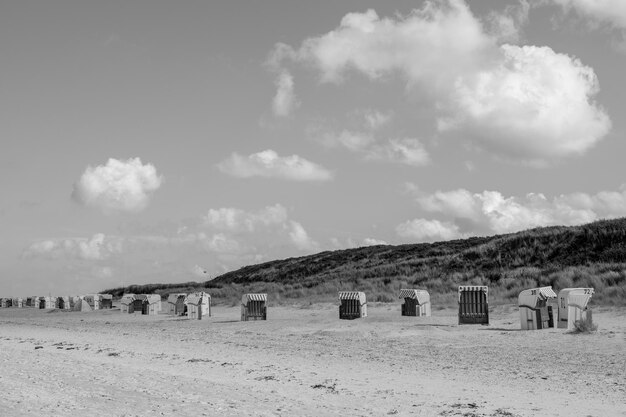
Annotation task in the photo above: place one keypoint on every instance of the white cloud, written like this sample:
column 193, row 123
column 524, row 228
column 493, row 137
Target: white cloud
column 222, row 244
column 506, row 26
column 423, row 230
column 284, row 100
column 368, row 241
column 375, row 46
column 353, row 141
column 102, row 272
column 491, row 211
column 535, row 105
column 223, row 240
column 269, row 164
column 612, row 12
column 117, row 186
column 404, row 151
column 375, row 119
column 96, row 248
column 263, row 232
column 605, row 14
column 301, row 238
column 349, row 243
column 365, row 122
column 237, row 220
column 457, row 203
column 526, row 104
column 199, row 271
column 92, row 249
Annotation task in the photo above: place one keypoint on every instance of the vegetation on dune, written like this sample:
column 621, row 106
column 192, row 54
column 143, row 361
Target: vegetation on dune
column 585, row 326
column 591, row 255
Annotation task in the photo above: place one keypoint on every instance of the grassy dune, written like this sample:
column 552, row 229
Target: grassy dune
column 591, row 255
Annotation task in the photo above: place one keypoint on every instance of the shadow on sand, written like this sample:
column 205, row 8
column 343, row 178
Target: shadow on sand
column 501, row 329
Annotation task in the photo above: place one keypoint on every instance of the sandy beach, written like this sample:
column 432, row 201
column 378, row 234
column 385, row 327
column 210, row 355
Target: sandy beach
column 306, row 362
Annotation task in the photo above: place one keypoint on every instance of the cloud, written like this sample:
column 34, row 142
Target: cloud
column 457, row 203
column 301, row 238
column 423, row 230
column 375, row 119
column 96, row 248
column 365, row 43
column 403, row 151
column 269, row 164
column 284, row 100
column 258, row 232
column 117, row 186
column 535, row 105
column 237, row 220
column 102, row 272
column 612, row 12
column 490, row 211
column 199, row 271
column 352, row 141
column 507, row 26
column 521, row 103
column 223, row 240
column 373, row 242
column 349, row 243
column 222, row 244
column 609, row 14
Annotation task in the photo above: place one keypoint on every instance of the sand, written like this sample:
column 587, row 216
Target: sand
column 307, row 362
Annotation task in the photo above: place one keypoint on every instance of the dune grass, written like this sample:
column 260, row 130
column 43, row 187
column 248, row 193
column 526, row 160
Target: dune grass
column 592, row 255
column 585, row 326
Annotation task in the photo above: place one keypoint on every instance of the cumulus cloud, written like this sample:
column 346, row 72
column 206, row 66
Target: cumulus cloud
column 269, row 164
column 373, row 46
column 117, row 186
column 423, row 230
column 520, row 102
column 535, row 105
column 490, row 211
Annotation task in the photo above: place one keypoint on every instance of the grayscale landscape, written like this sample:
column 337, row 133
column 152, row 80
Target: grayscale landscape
column 299, row 208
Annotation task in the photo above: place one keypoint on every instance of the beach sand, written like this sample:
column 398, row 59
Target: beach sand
column 304, row 361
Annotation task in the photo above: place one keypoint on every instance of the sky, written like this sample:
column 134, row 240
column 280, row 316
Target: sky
column 151, row 141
